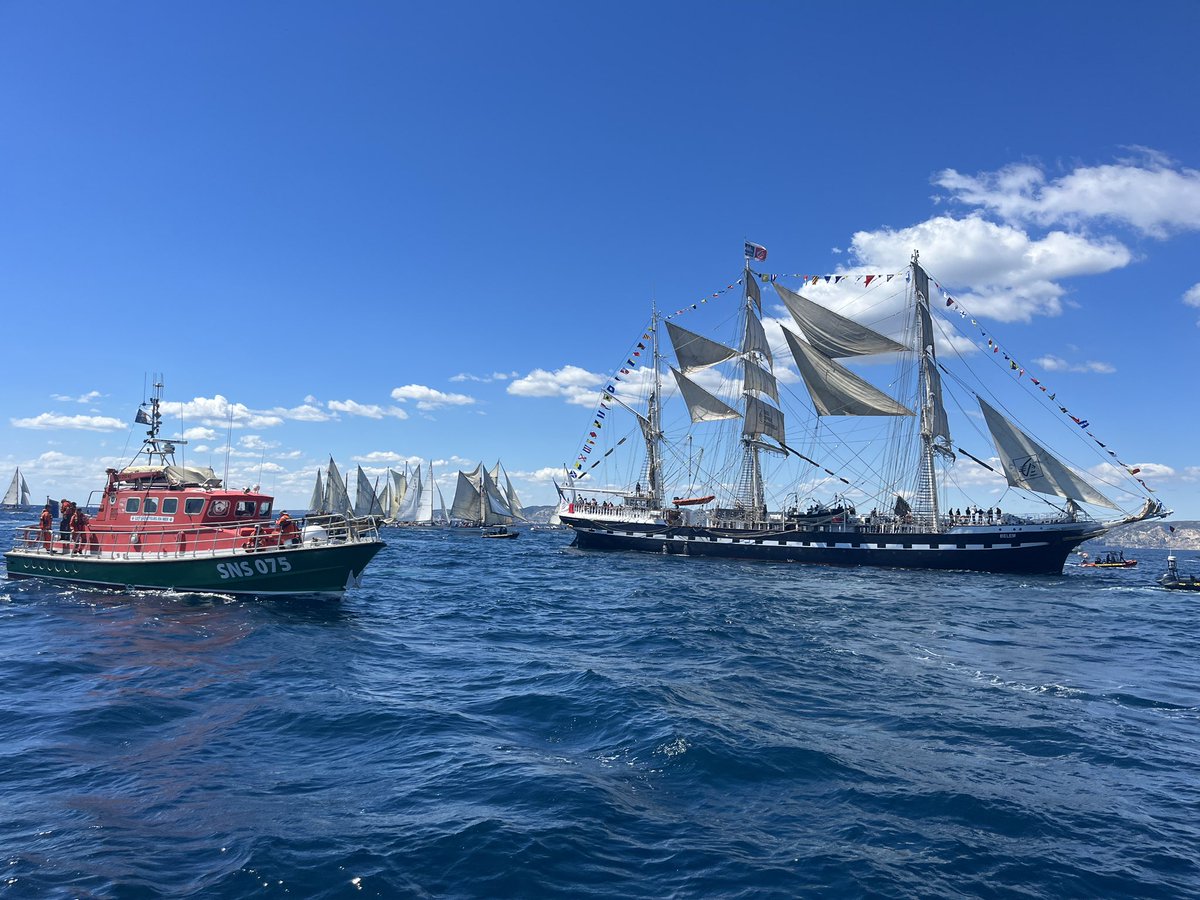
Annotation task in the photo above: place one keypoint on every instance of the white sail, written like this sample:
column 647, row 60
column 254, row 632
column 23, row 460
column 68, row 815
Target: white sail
column 24, row 492
column 317, row 504
column 399, row 488
column 832, row 334
column 410, row 507
column 505, row 487
column 425, row 505
column 695, row 352
column 835, row 390
column 514, row 502
column 755, row 338
column 938, row 425
column 13, row 496
column 338, row 499
column 479, row 499
column 466, row 498
column 1027, row 464
column 756, row 378
column 440, row 512
column 752, row 290
column 365, row 501
column 762, row 418
column 385, row 498
column 702, row 406
column 496, row 510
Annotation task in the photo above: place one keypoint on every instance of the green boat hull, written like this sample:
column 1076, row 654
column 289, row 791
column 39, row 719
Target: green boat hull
column 325, row 570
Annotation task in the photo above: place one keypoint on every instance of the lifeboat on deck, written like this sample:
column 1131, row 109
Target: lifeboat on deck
column 694, row 501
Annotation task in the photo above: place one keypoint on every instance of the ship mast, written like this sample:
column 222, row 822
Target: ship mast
column 933, row 414
column 750, row 493
column 653, row 428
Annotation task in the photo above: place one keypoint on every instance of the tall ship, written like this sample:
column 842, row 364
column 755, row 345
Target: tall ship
column 860, row 475
column 159, row 525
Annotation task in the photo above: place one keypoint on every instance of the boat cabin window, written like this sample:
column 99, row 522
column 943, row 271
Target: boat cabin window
column 264, row 509
column 150, row 505
column 171, row 505
column 132, row 504
column 245, row 509
column 193, row 505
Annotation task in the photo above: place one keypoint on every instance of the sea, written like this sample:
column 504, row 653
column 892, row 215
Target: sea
column 516, row 718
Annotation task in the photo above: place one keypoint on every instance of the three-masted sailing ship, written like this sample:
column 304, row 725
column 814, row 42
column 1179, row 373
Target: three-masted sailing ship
column 825, row 475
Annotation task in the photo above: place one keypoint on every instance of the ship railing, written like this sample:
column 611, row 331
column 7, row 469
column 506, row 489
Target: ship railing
column 195, row 541
column 616, row 512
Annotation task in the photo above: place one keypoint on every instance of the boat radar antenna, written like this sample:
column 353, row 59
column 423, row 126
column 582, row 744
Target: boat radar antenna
column 158, row 451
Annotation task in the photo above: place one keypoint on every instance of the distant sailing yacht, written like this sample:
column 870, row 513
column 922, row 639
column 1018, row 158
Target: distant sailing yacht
column 481, row 499
column 417, row 505
column 17, row 495
column 900, row 470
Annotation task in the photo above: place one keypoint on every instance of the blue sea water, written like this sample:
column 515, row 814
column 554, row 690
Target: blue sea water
column 520, row 719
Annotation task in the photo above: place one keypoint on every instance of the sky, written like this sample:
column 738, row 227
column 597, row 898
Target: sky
column 397, row 233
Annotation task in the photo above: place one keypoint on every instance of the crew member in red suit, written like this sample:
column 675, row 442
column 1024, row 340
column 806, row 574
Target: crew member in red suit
column 288, row 532
column 46, row 523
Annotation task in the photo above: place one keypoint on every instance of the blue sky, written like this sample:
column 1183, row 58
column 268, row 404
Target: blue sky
column 395, row 232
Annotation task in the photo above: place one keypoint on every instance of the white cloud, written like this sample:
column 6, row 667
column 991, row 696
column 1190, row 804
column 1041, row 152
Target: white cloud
column 370, row 411
column 218, row 412
column 546, row 475
column 1013, row 274
column 1058, row 364
column 85, row 398
column 1150, row 196
column 255, row 442
column 308, row 412
column 54, row 463
column 385, row 458
column 79, row 423
column 428, row 398
column 1146, row 471
column 572, row 383
column 200, row 434
column 484, row 379
column 1192, row 297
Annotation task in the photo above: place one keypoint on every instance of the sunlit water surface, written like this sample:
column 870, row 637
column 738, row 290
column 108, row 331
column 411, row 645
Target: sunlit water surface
column 517, row 718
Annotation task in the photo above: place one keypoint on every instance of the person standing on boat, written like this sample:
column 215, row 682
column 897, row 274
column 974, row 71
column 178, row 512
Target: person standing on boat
column 65, row 510
column 79, row 524
column 288, row 532
column 46, row 523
